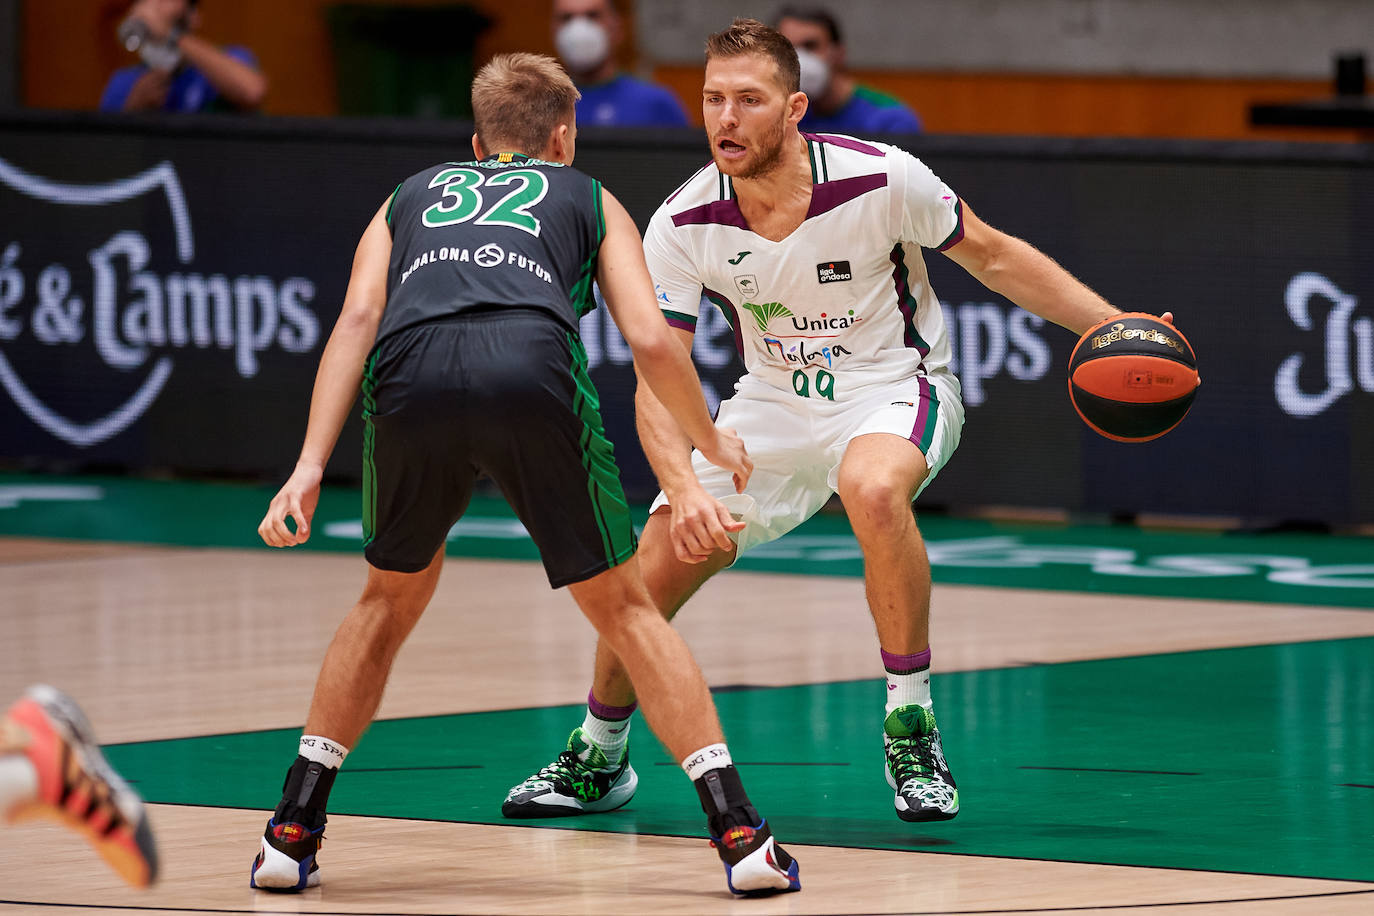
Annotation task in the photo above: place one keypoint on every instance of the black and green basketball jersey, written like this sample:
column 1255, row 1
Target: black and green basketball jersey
column 505, row 231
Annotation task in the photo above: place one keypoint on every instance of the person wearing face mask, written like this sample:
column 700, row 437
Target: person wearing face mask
column 179, row 71
column 586, row 34
column 838, row 102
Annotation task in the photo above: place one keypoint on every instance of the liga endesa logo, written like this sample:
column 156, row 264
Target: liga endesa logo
column 132, row 302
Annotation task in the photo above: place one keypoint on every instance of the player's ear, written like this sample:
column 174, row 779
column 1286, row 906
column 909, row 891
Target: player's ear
column 797, row 104
column 560, row 145
column 477, row 147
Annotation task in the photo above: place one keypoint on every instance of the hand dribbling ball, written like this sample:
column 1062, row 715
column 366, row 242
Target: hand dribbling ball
column 1132, row 377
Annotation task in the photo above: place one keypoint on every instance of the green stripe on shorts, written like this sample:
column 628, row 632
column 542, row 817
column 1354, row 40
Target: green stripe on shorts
column 932, row 420
column 369, row 444
column 607, row 496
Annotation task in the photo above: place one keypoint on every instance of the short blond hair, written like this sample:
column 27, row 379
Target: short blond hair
column 519, row 99
column 749, row 36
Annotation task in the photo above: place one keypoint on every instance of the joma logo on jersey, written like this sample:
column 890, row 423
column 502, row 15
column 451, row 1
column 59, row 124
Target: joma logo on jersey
column 833, row 272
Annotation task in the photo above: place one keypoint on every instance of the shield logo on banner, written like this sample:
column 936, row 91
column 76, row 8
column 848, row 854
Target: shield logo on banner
column 58, row 292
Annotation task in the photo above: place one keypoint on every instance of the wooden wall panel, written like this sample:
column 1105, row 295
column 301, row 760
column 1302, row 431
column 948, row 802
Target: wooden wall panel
column 1077, row 106
column 69, row 51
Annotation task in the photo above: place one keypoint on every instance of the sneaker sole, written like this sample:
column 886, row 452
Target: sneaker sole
column 758, row 874
column 562, row 806
column 274, row 870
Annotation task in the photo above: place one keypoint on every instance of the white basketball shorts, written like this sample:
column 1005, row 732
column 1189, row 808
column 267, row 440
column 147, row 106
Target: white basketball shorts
column 797, row 445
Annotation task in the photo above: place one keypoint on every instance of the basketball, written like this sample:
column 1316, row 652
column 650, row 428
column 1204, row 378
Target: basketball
column 1132, row 377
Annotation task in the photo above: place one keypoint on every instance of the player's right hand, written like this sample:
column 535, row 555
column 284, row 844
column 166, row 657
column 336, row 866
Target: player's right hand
column 296, row 500
column 699, row 525
column 728, row 452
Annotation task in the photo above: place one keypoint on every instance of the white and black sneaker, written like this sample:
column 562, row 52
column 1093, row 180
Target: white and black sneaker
column 580, row 781
column 286, row 860
column 916, row 766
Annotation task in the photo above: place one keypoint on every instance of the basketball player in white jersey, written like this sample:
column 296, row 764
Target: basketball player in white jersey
column 811, row 247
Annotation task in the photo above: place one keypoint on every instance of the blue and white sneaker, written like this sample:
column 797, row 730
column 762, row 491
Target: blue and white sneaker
column 755, row 865
column 286, row 861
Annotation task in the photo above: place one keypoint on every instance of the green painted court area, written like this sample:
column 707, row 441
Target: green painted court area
column 1255, row 759
column 1286, row 568
column 1243, row 760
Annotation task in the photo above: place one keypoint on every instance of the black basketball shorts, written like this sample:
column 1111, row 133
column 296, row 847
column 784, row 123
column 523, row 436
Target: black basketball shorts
column 504, row 393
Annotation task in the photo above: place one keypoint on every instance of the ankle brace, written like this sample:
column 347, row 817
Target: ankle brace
column 724, row 800
column 305, row 793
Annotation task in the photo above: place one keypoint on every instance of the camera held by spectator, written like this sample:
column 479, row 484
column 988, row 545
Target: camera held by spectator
column 178, row 70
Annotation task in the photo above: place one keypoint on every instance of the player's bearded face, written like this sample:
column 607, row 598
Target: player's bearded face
column 745, row 111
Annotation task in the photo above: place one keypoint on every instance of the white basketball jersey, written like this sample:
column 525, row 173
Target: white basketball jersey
column 844, row 301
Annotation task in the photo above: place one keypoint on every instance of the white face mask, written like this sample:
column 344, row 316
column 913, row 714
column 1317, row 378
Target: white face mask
column 582, row 44
column 815, row 73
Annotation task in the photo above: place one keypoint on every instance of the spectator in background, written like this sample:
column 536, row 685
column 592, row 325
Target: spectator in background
column 180, row 71
column 838, row 103
column 586, row 34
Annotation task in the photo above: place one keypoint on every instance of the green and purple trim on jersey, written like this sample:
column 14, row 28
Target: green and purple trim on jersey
column 957, row 236
column 727, row 308
column 906, row 303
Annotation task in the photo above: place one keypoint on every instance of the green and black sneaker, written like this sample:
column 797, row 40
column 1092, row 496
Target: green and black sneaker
column 580, row 781
column 916, row 766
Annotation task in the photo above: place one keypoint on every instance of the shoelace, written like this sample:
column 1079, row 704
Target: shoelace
column 565, row 767
column 76, row 781
column 914, row 758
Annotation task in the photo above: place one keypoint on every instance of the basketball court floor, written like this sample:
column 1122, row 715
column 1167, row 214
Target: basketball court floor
column 1161, row 722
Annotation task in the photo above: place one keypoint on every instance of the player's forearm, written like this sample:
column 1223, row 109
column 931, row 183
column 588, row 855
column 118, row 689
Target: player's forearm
column 336, row 386
column 241, row 85
column 665, row 445
column 673, row 380
column 1035, row 282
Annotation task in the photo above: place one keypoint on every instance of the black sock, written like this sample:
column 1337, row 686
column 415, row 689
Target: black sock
column 724, row 800
column 305, row 794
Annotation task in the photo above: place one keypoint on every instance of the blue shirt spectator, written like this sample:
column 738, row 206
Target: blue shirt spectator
column 189, row 90
column 868, row 111
column 628, row 102
column 837, row 102
column 179, row 71
column 586, row 34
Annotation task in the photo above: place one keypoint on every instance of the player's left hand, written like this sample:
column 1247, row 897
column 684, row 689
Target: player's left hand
column 728, row 452
column 296, row 500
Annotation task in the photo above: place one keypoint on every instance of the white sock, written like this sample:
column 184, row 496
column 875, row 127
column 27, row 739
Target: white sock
column 324, row 751
column 18, row 782
column 711, row 757
column 611, row 735
column 908, row 689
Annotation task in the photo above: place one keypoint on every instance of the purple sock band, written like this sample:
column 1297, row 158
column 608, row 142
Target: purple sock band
column 906, row 664
column 616, row 713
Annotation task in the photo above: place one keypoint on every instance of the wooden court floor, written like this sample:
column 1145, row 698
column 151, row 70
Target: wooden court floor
column 168, row 643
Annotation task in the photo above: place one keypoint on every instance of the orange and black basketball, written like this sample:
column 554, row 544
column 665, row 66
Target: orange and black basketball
column 1132, row 377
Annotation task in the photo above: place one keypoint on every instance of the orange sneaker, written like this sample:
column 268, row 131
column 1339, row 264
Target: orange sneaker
column 76, row 785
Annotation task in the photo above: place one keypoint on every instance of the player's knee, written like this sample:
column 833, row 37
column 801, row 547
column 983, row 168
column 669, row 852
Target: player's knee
column 875, row 505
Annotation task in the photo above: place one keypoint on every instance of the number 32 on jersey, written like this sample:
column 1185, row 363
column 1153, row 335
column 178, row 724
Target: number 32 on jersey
column 519, row 191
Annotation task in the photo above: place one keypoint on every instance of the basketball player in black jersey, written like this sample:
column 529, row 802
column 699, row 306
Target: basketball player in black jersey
column 460, row 323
